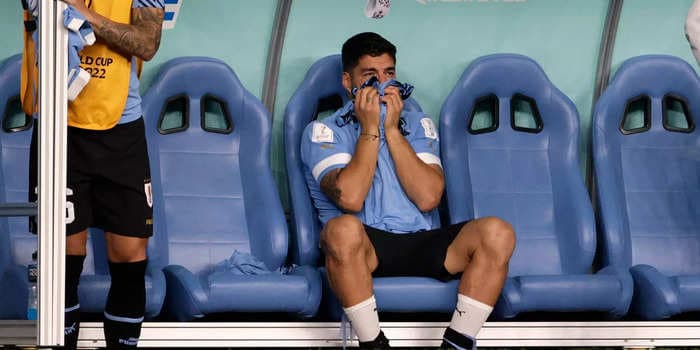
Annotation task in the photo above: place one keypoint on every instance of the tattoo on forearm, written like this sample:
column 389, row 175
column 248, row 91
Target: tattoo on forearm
column 329, row 186
column 141, row 38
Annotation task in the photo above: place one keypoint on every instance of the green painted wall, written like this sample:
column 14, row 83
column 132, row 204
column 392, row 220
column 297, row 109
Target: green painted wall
column 11, row 28
column 236, row 31
column 437, row 40
column 652, row 27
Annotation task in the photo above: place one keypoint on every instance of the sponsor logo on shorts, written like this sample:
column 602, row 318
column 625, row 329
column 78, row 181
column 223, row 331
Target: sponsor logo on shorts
column 148, row 191
column 70, row 207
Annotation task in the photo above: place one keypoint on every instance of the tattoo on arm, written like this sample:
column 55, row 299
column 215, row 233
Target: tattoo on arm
column 329, row 185
column 141, row 38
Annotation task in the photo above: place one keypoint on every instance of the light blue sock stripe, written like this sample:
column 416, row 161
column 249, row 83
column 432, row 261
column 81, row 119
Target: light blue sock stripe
column 454, row 345
column 73, row 308
column 123, row 319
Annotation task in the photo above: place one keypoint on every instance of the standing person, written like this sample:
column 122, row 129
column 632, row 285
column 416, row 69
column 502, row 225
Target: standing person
column 375, row 175
column 108, row 168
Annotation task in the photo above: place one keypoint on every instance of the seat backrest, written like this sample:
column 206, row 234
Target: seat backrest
column 15, row 140
column 15, row 137
column 646, row 152
column 209, row 146
column 321, row 91
column 509, row 145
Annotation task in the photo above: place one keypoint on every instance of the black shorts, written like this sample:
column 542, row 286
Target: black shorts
column 419, row 254
column 109, row 181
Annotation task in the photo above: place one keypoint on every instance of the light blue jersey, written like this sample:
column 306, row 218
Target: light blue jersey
column 329, row 144
column 132, row 109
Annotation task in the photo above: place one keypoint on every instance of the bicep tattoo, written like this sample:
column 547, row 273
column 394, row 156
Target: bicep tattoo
column 329, row 185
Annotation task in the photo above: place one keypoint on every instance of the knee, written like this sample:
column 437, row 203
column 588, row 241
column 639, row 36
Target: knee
column 343, row 237
column 75, row 244
column 127, row 254
column 498, row 238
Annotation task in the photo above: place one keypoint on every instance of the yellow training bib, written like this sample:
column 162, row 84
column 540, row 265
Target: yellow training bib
column 101, row 103
column 29, row 79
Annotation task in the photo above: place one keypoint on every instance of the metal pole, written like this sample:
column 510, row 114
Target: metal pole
column 272, row 68
column 607, row 45
column 52, row 172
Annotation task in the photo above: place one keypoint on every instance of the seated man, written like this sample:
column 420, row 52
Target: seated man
column 375, row 176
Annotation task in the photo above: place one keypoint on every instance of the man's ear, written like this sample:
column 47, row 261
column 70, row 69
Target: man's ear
column 347, row 82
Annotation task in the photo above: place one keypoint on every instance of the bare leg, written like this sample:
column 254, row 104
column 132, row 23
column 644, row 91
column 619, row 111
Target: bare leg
column 481, row 251
column 350, row 259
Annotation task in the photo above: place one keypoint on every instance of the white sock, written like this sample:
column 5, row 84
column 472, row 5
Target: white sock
column 364, row 319
column 469, row 315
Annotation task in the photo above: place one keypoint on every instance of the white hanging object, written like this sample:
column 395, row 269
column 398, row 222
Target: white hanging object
column 377, row 8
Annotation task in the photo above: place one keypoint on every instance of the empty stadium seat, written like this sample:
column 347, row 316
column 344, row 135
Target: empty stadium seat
column 646, row 152
column 16, row 243
column 322, row 91
column 509, row 146
column 209, row 141
column 15, row 138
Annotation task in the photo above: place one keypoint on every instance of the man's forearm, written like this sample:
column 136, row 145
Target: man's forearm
column 355, row 180
column 423, row 183
column 140, row 39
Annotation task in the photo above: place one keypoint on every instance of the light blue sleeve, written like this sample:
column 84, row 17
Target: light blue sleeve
column 324, row 148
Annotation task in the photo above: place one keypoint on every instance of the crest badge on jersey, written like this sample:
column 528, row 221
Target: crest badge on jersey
column 321, row 133
column 429, row 128
column 149, row 192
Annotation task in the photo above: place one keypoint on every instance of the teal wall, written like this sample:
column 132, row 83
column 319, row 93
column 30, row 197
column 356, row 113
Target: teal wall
column 11, row 28
column 652, row 27
column 437, row 41
column 236, row 31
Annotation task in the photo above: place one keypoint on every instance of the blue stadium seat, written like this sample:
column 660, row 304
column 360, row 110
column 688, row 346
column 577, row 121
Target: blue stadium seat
column 646, row 151
column 509, row 141
column 322, row 91
column 17, row 247
column 214, row 193
column 16, row 243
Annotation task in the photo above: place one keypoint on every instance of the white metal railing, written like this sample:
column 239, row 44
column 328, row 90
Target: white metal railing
column 53, row 103
column 414, row 334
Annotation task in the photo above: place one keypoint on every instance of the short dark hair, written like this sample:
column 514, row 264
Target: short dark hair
column 367, row 43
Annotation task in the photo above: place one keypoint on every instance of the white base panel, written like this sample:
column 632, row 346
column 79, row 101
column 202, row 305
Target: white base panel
column 416, row 334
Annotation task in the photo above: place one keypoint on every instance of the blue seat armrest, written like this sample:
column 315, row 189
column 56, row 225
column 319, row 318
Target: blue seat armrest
column 185, row 298
column 655, row 295
column 627, row 283
column 313, row 301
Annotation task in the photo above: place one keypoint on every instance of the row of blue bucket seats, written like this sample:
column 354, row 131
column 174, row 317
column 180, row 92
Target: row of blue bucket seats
column 509, row 143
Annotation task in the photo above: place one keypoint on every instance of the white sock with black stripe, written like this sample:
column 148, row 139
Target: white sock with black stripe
column 364, row 319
